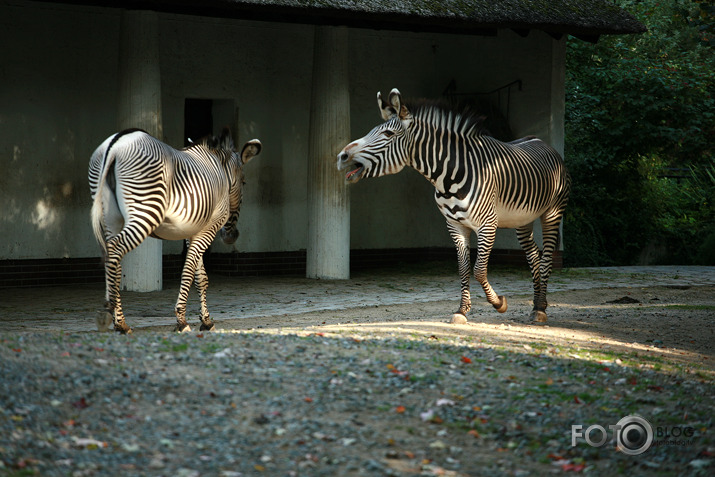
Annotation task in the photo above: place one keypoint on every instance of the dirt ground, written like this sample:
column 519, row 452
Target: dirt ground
column 363, row 377
column 663, row 322
column 666, row 313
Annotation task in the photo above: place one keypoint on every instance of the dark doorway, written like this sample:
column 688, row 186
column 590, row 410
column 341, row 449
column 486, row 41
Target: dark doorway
column 198, row 119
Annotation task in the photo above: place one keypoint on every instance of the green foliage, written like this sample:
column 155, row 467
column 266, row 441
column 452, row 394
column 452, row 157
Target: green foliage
column 640, row 127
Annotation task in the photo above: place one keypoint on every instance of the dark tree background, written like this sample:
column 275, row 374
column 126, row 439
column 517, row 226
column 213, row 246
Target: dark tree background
column 640, row 125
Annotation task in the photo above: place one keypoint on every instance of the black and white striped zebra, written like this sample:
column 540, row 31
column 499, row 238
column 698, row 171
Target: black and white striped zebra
column 142, row 187
column 481, row 184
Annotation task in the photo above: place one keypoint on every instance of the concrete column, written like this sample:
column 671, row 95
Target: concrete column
column 140, row 107
column 328, row 252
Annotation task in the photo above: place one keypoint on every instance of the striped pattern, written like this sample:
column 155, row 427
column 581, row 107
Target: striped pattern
column 481, row 184
column 142, row 187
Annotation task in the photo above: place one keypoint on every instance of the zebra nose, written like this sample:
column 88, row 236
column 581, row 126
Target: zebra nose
column 343, row 156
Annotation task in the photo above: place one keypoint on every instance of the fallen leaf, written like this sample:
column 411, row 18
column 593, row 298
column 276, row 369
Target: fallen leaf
column 573, row 467
column 466, row 360
column 400, row 409
column 81, row 403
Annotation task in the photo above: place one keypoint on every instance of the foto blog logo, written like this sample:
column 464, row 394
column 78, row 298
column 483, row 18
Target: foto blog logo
column 633, row 435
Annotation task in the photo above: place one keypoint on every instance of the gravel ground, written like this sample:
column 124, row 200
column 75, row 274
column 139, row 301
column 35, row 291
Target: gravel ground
column 383, row 390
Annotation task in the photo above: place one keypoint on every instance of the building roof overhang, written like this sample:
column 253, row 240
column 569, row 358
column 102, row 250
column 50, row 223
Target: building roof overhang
column 584, row 19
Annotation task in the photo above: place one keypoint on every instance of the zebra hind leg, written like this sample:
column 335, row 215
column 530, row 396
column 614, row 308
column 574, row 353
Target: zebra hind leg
column 525, row 235
column 550, row 232
column 113, row 304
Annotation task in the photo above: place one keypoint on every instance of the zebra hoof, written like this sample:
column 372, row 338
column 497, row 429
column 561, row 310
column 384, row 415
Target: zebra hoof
column 204, row 327
column 185, row 329
column 538, row 316
column 458, row 319
column 501, row 306
column 125, row 330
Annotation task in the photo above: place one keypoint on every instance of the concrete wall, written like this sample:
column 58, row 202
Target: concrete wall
column 58, row 101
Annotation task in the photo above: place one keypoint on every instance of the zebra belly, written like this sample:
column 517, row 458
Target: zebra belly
column 509, row 218
column 172, row 229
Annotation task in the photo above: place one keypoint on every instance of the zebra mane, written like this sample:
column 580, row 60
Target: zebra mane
column 215, row 143
column 462, row 117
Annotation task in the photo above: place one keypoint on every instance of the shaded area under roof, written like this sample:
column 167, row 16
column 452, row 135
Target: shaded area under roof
column 586, row 19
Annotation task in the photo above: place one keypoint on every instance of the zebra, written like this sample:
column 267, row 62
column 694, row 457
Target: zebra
column 481, row 184
column 141, row 187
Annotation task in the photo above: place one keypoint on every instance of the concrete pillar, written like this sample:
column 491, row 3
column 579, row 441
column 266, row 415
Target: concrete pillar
column 328, row 251
column 140, row 107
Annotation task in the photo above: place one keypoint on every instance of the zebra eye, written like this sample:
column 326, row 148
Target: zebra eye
column 388, row 133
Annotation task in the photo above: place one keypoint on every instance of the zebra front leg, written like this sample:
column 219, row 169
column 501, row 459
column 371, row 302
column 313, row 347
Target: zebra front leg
column 485, row 242
column 460, row 236
column 201, row 280
column 196, row 247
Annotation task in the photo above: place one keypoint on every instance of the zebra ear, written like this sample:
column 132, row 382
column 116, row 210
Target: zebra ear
column 396, row 102
column 225, row 142
column 386, row 111
column 250, row 149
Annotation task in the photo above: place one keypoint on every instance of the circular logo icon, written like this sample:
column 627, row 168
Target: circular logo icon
column 634, row 435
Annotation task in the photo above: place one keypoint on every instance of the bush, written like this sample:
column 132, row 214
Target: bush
column 640, row 124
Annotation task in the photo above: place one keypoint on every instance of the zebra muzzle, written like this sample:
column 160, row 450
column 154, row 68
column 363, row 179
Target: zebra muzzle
column 354, row 174
column 229, row 236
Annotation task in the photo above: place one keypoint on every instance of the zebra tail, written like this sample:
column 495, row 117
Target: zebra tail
column 97, row 215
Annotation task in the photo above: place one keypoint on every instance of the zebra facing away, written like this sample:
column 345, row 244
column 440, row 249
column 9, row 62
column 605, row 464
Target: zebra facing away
column 481, row 184
column 142, row 187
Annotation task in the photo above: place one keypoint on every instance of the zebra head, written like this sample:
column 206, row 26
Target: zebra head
column 384, row 149
column 229, row 232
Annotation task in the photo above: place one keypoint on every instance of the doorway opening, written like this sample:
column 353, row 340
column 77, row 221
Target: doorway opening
column 204, row 117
